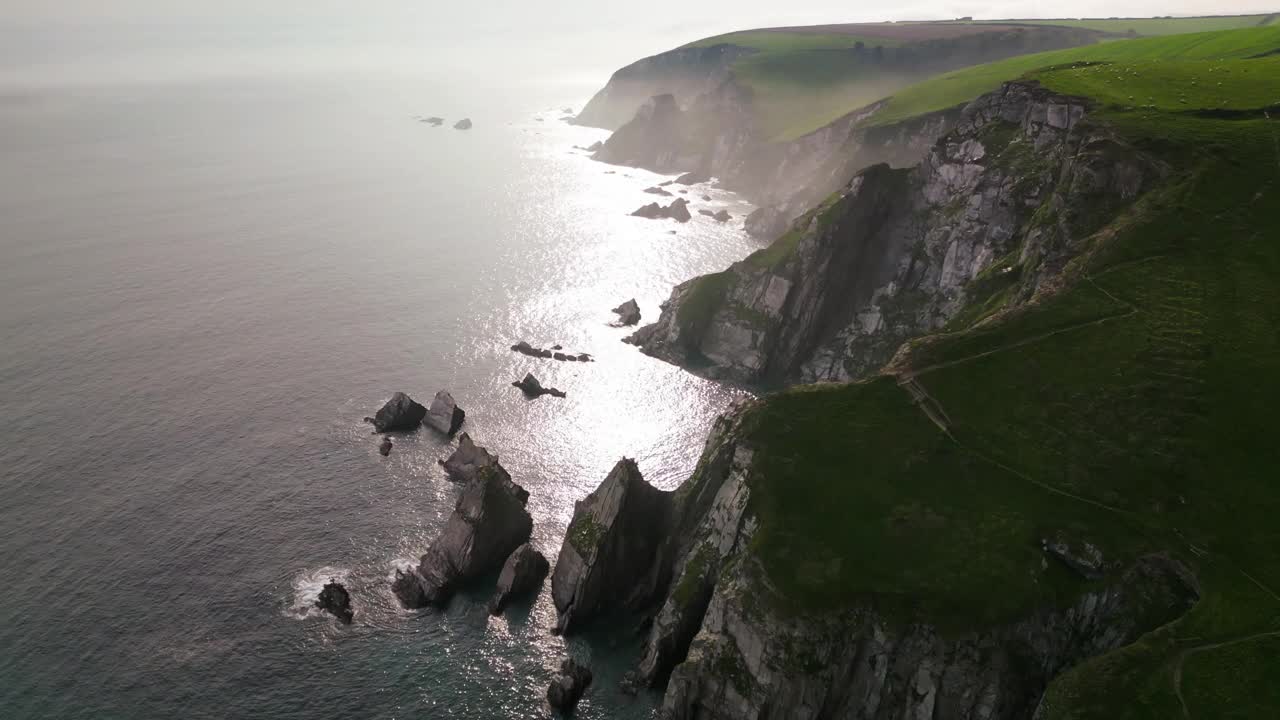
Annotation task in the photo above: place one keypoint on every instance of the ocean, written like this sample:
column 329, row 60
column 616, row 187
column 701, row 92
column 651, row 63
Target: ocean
column 206, row 284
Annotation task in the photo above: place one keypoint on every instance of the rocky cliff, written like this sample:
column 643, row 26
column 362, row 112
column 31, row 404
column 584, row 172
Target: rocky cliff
column 683, row 73
column 995, row 208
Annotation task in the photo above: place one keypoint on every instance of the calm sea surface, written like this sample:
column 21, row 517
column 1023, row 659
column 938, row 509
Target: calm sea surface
column 204, row 287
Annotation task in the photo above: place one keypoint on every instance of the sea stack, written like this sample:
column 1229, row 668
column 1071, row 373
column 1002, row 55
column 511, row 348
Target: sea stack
column 445, row 416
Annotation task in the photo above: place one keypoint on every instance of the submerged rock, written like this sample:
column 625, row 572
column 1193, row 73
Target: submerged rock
column 521, row 574
column 628, row 312
column 468, row 460
column 463, row 124
column 568, row 687
column 445, row 415
column 434, row 121
column 657, row 191
column 487, row 525
column 335, row 600
column 607, row 559
column 399, row 413
column 385, row 447
column 531, row 387
column 692, row 178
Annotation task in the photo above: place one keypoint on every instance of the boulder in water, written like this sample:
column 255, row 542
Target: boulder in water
column 385, row 447
column 692, row 178
column 657, row 191
column 400, row 413
column 335, row 599
column 568, row 687
column 445, row 415
column 532, row 388
column 521, row 574
column 628, row 313
column 677, row 210
column 468, row 460
column 463, row 124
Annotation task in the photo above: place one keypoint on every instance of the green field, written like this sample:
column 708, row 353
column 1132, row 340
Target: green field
column 774, row 41
column 1135, row 409
column 961, row 86
column 1147, row 27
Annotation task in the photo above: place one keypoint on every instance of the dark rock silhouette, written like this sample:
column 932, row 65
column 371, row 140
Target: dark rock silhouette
column 628, row 313
column 464, row 124
column 677, row 210
column 335, row 599
column 531, row 387
column 465, row 463
column 555, row 353
column 657, row 191
column 400, row 413
column 385, row 447
column 568, row 687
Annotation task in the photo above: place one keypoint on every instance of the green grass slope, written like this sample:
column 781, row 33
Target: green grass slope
column 1136, row 409
column 1147, row 27
column 1143, row 55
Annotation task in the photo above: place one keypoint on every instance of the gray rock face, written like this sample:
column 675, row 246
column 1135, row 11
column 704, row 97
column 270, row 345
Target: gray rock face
column 487, row 525
column 628, row 312
column 464, row 124
column 521, row 575
column 465, row 463
column 1014, row 189
column 568, row 687
column 400, row 413
column 444, row 415
column 611, row 556
column 658, row 119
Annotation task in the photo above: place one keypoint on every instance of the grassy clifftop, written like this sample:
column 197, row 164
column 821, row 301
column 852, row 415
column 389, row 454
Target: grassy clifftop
column 1142, row 55
column 1134, row 410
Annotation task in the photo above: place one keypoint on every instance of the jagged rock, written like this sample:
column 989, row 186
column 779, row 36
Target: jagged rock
column 488, row 523
column 722, row 216
column 678, row 210
column 610, row 556
column 532, row 388
column 463, row 124
column 335, row 600
column 468, row 460
column 445, row 415
column 568, row 687
column 628, row 312
column 399, row 413
column 657, row 191
column 385, row 446
column 693, row 178
column 521, row 574
column 658, row 119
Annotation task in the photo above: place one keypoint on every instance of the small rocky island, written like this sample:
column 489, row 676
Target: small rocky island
column 532, row 388
column 335, row 600
column 678, row 210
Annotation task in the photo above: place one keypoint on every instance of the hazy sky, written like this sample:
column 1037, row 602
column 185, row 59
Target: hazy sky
column 549, row 38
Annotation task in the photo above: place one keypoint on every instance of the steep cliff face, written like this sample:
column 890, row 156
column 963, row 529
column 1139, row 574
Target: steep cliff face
column 997, row 207
column 684, row 73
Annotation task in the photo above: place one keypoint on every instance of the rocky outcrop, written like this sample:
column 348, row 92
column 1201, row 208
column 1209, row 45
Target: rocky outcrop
column 444, row 415
column 1002, row 201
column 487, row 525
column 628, row 312
column 657, row 191
column 678, row 210
column 685, row 74
column 611, row 558
column 434, row 121
column 525, row 348
column 467, row 462
column 463, row 124
column 400, row 413
column 532, row 388
column 568, row 687
column 335, row 600
column 721, row 216
column 521, row 575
